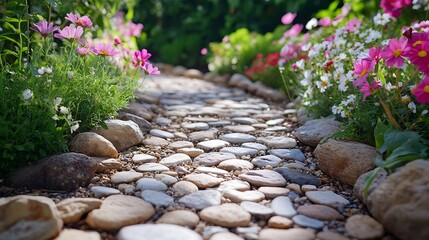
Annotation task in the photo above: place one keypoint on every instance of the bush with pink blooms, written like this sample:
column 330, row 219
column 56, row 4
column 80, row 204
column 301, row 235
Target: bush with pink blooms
column 60, row 80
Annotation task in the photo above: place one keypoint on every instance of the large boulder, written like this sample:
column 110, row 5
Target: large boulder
column 313, row 131
column 29, row 217
column 400, row 203
column 64, row 172
column 345, row 161
column 93, row 145
column 360, row 184
column 123, row 134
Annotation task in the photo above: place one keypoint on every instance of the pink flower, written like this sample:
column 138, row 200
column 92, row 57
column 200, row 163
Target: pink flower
column 288, row 18
column 344, row 11
column 149, row 69
column 419, row 56
column 393, row 7
column 374, row 54
column 204, row 51
column 353, row 25
column 117, row 41
column 367, row 88
column 325, row 22
column 225, row 39
column 70, row 32
column 140, row 57
column 393, row 53
column 83, row 21
column 103, row 49
column 82, row 51
column 361, row 68
column 44, row 28
column 421, row 91
column 131, row 29
column 417, row 38
column 295, row 30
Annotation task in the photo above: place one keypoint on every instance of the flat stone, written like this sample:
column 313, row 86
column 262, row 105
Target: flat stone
column 257, row 146
column 159, row 199
column 249, row 232
column 239, row 128
column 313, row 131
column 283, row 206
column 143, row 124
column 256, row 208
column 152, row 167
column 239, row 151
column 166, row 179
column 213, row 158
column 198, row 126
column 72, row 209
column 143, row 158
column 191, row 152
column 203, row 180
column 280, row 222
column 277, row 142
column 240, row 196
column 305, row 188
column 298, row 177
column 328, row 198
column 183, row 188
column 329, row 235
column 273, row 192
column 201, row 199
column 320, row 212
column 235, row 164
column 100, row 191
column 126, row 188
column 274, row 122
column 125, row 177
column 162, row 121
column 234, row 184
column 267, row 160
column 219, row 123
column 225, row 236
column 155, row 141
column 158, row 232
column 287, row 234
column 92, row 144
column 264, row 178
column 237, row 137
column 201, row 119
column 180, row 217
column 213, row 144
column 181, row 144
column 276, row 129
column 105, row 164
column 193, row 73
column 161, row 133
column 288, row 154
column 259, row 125
column 294, row 188
column 118, row 211
column 180, row 135
column 244, row 120
column 72, row 234
column 202, row 135
column 212, row 170
column 364, row 227
column 151, row 184
column 29, row 217
column 309, row 222
column 175, row 159
column 226, row 215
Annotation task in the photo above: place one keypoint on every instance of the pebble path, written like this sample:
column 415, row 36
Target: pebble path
column 217, row 164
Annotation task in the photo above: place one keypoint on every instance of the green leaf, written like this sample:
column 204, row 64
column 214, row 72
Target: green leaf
column 379, row 131
column 369, row 180
column 104, row 125
column 394, row 139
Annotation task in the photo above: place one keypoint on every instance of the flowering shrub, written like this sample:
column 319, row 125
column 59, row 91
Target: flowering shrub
column 69, row 82
column 265, row 69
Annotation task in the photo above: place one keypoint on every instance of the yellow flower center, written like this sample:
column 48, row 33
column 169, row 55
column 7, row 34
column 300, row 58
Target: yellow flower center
column 324, row 84
column 397, row 52
column 422, row 54
column 418, row 42
column 79, row 22
column 104, row 52
column 426, row 89
column 363, row 73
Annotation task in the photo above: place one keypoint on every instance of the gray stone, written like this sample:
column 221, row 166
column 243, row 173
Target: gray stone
column 283, row 206
column 203, row 180
column 256, row 208
column 175, row 159
column 180, row 217
column 72, row 234
column 276, row 129
column 72, row 209
column 267, row 178
column 225, row 235
column 328, row 198
column 155, row 141
column 239, row 128
column 162, row 121
column 123, row 134
column 193, row 73
column 239, row 151
column 201, row 199
column 286, row 234
column 237, row 137
column 213, row 158
column 183, row 188
column 240, row 196
column 226, row 215
column 143, row 158
column 159, row 199
column 235, row 164
column 277, row 142
column 309, row 222
column 273, row 192
column 191, row 152
column 152, row 167
column 320, row 212
column 181, row 144
column 234, row 184
column 161, row 133
column 151, row 184
column 360, row 184
column 364, row 227
column 125, row 177
column 313, row 131
column 244, row 120
column 213, row 144
column 199, row 126
column 274, row 122
column 100, row 191
column 288, row 154
column 202, row 135
column 143, row 124
column 166, row 179
column 267, row 160
column 298, row 177
column 257, row 146
column 219, row 123
column 158, row 232
column 211, row 170
column 92, row 144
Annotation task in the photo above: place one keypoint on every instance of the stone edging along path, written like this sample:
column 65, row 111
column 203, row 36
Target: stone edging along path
column 199, row 161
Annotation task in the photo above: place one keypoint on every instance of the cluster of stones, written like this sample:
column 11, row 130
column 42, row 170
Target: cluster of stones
column 193, row 160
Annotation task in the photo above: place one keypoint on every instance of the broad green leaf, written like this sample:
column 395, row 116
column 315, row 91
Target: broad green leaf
column 369, row 180
column 394, row 139
column 379, row 131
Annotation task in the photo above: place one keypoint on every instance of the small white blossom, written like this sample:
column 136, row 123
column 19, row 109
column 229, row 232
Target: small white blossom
column 381, row 19
column 70, row 74
column 74, row 127
column 311, row 24
column 425, row 112
column 412, row 107
column 55, row 117
column 64, row 110
column 57, row 101
column 300, row 64
column 27, row 94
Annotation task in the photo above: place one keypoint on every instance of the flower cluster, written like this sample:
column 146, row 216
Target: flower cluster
column 261, row 64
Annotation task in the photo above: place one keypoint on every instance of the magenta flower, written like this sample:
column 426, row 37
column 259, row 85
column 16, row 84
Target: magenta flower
column 344, row 11
column 70, row 32
column 367, row 88
column 83, row 21
column 419, row 56
column 374, row 54
column 393, row 7
column 421, row 91
column 149, row 69
column 288, row 18
column 295, row 30
column 353, row 25
column 117, row 41
column 417, row 38
column 44, row 28
column 325, row 22
column 393, row 53
column 204, row 51
column 362, row 68
column 140, row 57
column 82, row 51
column 103, row 49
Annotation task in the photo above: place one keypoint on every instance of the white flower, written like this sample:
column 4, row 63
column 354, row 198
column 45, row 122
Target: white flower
column 300, row 64
column 57, row 101
column 324, row 83
column 306, row 47
column 372, row 36
column 406, row 99
column 55, row 117
column 311, row 24
column 64, row 110
column 48, row 70
column 70, row 74
column 74, row 127
column 41, row 71
column 425, row 112
column 381, row 19
column 307, row 77
column 412, row 107
column 27, row 94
